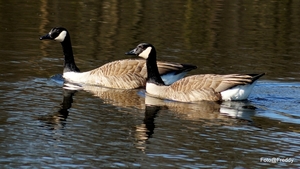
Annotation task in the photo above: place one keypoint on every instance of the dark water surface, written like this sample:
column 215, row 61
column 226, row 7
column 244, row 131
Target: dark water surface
column 43, row 125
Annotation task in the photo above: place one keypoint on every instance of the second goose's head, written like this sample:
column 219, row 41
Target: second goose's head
column 58, row 34
column 144, row 50
column 148, row 52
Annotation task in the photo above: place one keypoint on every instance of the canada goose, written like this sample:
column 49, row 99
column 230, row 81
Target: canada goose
column 122, row 74
column 211, row 87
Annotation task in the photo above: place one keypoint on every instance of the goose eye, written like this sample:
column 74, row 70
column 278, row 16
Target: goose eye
column 54, row 34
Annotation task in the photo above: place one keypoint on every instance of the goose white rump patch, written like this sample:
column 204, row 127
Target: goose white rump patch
column 240, row 92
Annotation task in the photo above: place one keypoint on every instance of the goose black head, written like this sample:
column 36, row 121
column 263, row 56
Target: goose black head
column 143, row 50
column 57, row 34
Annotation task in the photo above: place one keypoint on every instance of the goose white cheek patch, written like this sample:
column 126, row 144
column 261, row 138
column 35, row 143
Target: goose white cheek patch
column 145, row 53
column 61, row 36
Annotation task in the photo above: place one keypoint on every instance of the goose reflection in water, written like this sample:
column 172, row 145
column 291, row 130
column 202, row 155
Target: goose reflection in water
column 144, row 131
column 207, row 110
column 117, row 97
column 58, row 119
column 204, row 113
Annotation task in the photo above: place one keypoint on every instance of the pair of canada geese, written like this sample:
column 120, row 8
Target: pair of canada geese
column 162, row 79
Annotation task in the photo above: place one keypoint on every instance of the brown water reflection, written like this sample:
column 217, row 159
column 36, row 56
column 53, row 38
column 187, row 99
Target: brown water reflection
column 218, row 36
column 119, row 97
column 108, row 128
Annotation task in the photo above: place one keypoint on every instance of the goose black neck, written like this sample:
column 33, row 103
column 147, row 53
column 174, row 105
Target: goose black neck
column 150, row 115
column 69, row 64
column 152, row 69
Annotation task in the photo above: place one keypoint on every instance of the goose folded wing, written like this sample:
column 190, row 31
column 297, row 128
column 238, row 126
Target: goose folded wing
column 207, row 94
column 218, row 83
column 120, row 67
column 166, row 67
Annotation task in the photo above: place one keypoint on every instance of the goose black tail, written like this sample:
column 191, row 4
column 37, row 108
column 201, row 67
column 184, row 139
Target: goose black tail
column 256, row 76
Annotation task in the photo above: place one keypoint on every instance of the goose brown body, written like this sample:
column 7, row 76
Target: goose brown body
column 200, row 87
column 210, row 87
column 120, row 74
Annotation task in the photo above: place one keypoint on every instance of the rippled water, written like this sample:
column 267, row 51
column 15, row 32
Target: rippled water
column 43, row 125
